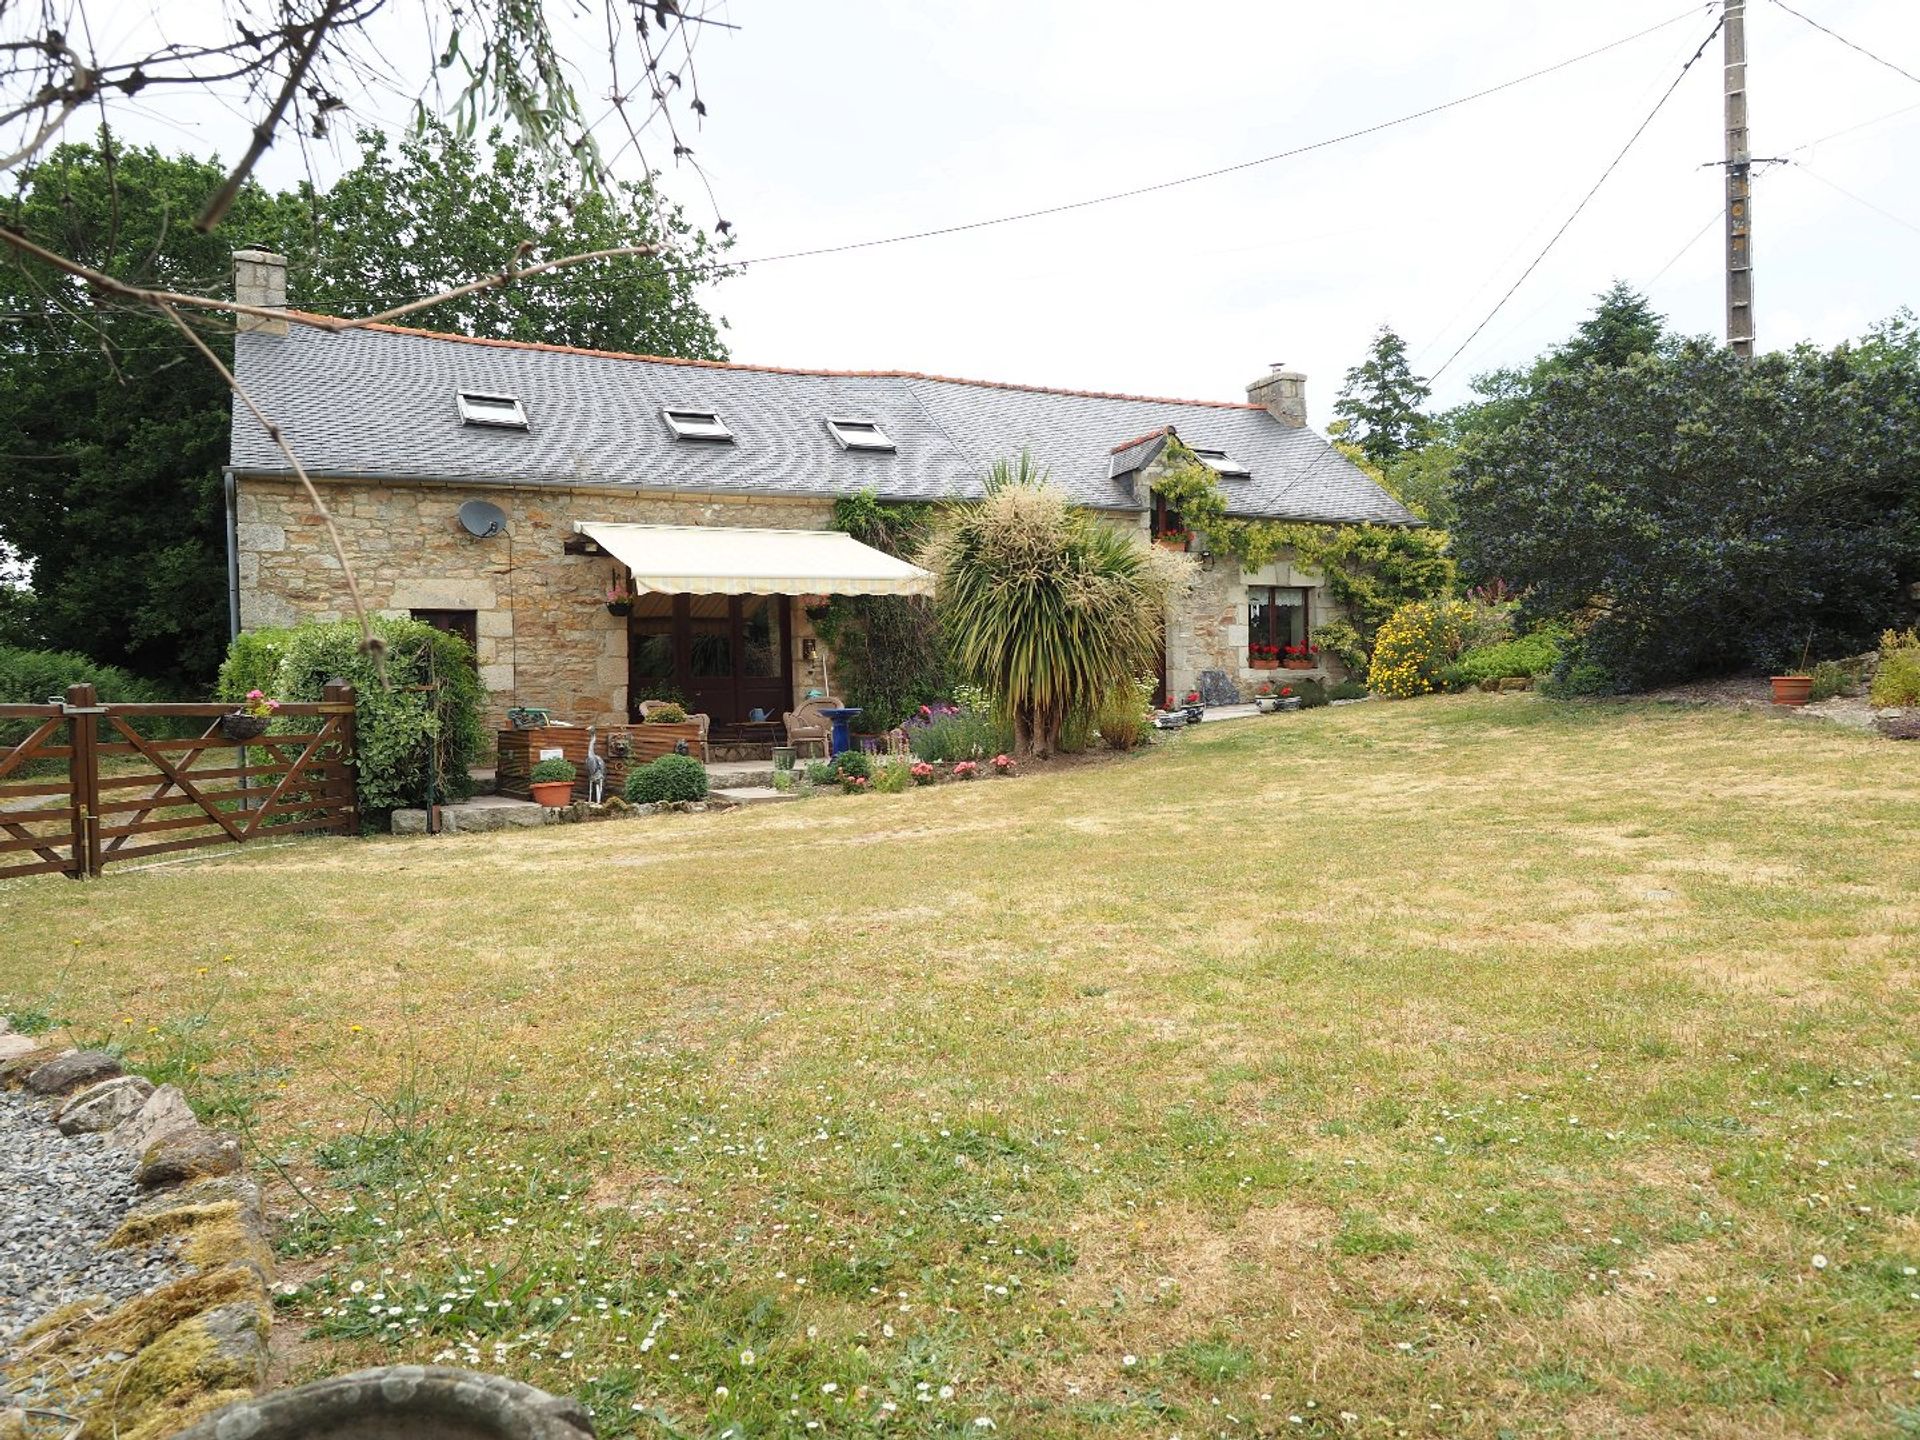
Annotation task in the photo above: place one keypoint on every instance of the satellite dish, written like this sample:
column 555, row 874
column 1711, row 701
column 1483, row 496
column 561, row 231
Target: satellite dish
column 482, row 518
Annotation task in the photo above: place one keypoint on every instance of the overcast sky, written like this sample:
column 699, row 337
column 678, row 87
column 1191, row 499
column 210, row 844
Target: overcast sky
column 839, row 121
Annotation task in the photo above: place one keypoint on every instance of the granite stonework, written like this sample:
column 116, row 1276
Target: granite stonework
column 544, row 635
column 1207, row 626
column 543, row 631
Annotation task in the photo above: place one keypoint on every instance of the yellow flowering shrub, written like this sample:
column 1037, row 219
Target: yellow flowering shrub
column 1417, row 642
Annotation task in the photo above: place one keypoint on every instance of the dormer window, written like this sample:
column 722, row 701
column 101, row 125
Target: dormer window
column 697, row 425
column 500, row 412
column 860, row 435
column 1222, row 463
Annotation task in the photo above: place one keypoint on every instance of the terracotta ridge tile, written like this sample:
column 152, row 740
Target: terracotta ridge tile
column 1140, row 439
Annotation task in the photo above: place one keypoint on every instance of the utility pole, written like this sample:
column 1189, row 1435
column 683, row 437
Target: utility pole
column 1739, row 165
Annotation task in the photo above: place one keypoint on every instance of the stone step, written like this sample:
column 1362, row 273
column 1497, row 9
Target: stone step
column 753, row 795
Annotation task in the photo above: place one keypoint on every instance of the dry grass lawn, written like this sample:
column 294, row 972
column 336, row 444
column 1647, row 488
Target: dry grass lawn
column 1471, row 1066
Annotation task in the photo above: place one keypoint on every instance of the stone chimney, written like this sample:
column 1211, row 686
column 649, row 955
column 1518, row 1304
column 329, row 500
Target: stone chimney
column 260, row 278
column 1284, row 394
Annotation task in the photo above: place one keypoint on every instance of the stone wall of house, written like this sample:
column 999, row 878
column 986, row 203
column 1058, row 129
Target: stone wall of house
column 544, row 634
column 1207, row 626
column 1207, row 629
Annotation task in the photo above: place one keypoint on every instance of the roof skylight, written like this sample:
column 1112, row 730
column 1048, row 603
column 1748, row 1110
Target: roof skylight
column 1222, row 463
column 697, row 425
column 860, row 435
column 505, row 412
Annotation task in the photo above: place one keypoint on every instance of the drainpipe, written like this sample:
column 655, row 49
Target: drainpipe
column 230, row 485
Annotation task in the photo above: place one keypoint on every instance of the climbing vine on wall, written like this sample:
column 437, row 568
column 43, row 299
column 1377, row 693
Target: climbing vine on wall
column 1370, row 570
column 889, row 656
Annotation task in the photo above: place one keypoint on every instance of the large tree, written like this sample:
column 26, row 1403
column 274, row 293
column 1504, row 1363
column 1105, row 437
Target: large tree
column 1381, row 401
column 113, row 431
column 1690, row 513
column 437, row 211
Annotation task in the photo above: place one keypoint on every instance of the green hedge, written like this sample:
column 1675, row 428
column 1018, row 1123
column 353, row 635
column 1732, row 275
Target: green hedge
column 409, row 739
column 33, row 677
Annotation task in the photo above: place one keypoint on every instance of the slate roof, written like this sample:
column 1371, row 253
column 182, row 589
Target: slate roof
column 379, row 402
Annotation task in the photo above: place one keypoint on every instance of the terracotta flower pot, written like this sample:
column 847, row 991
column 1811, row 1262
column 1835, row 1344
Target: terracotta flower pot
column 1296, row 664
column 1264, row 664
column 1792, row 689
column 553, row 792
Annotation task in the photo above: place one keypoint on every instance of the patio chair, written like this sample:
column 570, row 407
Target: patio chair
column 807, row 726
column 703, row 720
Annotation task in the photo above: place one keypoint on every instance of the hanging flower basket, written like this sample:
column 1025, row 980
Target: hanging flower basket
column 239, row 726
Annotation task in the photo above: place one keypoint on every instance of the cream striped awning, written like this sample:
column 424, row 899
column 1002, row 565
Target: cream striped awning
column 718, row 560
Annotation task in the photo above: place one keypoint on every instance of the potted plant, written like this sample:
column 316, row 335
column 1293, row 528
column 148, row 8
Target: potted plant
column 249, row 722
column 1196, row 711
column 1173, row 539
column 552, row 782
column 619, row 598
column 1299, row 657
column 1266, row 697
column 1263, row 657
column 1285, row 699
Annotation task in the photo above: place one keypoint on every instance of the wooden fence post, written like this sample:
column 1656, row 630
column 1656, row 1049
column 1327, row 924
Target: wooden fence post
column 340, row 692
column 83, row 779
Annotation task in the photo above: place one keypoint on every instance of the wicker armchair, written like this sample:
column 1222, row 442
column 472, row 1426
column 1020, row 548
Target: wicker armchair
column 807, row 726
column 704, row 721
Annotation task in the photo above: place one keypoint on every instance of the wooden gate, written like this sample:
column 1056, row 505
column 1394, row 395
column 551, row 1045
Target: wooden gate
column 130, row 792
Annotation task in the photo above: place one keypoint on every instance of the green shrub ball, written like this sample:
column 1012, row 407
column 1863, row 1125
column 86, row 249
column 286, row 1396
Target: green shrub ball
column 669, row 778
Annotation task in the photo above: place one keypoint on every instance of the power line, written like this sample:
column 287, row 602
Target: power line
column 1214, row 174
column 1877, row 59
column 1804, row 169
column 1681, row 253
column 1862, row 125
column 1585, row 200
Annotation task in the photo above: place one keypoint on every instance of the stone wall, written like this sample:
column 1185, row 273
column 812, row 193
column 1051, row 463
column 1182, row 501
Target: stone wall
column 1207, row 629
column 544, row 634
column 1207, row 626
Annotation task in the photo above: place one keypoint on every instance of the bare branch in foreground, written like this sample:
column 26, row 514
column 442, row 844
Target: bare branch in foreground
column 141, row 295
column 369, row 642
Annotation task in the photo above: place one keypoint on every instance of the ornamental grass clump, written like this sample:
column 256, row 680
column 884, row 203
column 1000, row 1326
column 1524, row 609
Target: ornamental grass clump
column 1045, row 607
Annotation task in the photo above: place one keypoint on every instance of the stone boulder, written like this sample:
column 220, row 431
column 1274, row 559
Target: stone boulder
column 187, row 1155
column 71, row 1072
column 13, row 1046
column 165, row 1113
column 412, row 1400
column 103, row 1106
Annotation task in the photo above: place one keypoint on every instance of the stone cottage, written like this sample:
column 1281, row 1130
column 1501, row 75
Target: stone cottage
column 498, row 489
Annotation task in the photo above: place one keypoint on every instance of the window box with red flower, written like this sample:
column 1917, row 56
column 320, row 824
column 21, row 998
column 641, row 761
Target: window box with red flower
column 1261, row 656
column 1303, row 656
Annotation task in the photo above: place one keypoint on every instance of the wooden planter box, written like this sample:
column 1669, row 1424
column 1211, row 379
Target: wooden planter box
column 520, row 751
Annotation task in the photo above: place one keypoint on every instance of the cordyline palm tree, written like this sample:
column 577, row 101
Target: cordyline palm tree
column 1048, row 609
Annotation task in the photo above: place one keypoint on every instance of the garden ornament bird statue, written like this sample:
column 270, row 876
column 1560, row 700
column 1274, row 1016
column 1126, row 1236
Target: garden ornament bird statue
column 596, row 769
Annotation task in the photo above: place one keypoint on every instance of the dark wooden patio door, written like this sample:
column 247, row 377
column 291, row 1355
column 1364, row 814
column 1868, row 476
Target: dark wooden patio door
column 728, row 655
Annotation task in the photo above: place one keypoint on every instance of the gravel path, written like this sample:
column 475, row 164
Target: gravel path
column 59, row 1198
